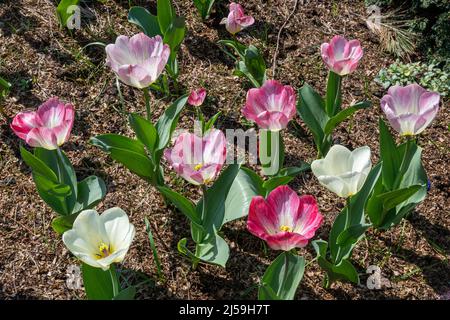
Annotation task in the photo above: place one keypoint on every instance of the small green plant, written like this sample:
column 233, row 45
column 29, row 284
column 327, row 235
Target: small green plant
column 249, row 61
column 429, row 76
column 204, row 7
column 5, row 86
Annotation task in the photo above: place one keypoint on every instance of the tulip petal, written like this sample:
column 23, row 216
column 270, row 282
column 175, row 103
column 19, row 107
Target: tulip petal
column 42, row 137
column 135, row 76
column 118, row 228
column 196, row 159
column 361, row 159
column 214, row 150
column 334, row 184
column 272, row 106
column 262, row 219
column 341, row 56
column 236, row 20
column 23, row 122
column 118, row 54
column 285, row 202
column 138, row 61
column 286, row 241
column 309, row 218
column 339, row 159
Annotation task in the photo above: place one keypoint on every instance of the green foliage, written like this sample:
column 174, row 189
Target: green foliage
column 320, row 119
column 249, row 61
column 403, row 184
column 97, row 283
column 56, row 183
column 430, row 76
column 204, row 7
column 348, row 228
column 226, row 200
column 282, row 277
column 63, row 11
column 142, row 156
column 4, row 88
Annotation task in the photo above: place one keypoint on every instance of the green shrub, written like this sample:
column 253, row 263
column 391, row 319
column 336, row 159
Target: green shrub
column 429, row 76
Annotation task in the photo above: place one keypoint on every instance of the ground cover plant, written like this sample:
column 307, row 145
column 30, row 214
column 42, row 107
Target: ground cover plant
column 152, row 153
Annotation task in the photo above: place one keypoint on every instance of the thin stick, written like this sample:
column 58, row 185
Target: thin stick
column 279, row 35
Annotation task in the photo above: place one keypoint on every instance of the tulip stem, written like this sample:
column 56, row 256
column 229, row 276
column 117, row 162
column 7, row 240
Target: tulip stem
column 147, row 103
column 114, row 280
column 204, row 190
column 197, row 248
column 404, row 165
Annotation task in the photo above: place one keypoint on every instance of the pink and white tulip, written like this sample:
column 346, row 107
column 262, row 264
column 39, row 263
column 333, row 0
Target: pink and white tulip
column 237, row 20
column 284, row 220
column 272, row 106
column 198, row 159
column 410, row 109
column 48, row 127
column 341, row 56
column 197, row 97
column 137, row 61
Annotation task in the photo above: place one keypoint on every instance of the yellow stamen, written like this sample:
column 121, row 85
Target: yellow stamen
column 104, row 250
column 198, row 167
column 285, row 229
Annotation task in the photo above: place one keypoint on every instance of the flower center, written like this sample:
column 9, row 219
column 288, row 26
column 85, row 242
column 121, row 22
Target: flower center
column 285, row 229
column 104, row 250
column 198, row 167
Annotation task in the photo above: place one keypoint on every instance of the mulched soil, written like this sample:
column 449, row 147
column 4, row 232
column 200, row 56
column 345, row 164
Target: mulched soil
column 43, row 61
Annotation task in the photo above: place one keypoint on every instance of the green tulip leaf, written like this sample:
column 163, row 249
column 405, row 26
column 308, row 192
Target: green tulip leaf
column 63, row 223
column 126, row 294
column 97, row 283
column 167, row 124
column 144, row 129
column 282, row 277
column 90, row 192
column 183, row 204
column 165, row 13
column 145, row 21
column 343, row 115
column 64, row 11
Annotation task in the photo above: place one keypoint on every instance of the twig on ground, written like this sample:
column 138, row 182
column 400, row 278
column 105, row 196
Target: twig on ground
column 279, row 35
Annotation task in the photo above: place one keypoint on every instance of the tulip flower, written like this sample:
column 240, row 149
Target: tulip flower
column 48, row 127
column 197, row 97
column 284, row 220
column 343, row 171
column 341, row 56
column 237, row 20
column 198, row 159
column 100, row 240
column 137, row 61
column 410, row 109
column 271, row 106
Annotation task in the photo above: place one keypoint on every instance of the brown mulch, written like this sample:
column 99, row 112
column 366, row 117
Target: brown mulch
column 43, row 61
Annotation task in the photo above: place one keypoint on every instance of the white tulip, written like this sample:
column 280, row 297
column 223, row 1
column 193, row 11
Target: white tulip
column 343, row 171
column 99, row 240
